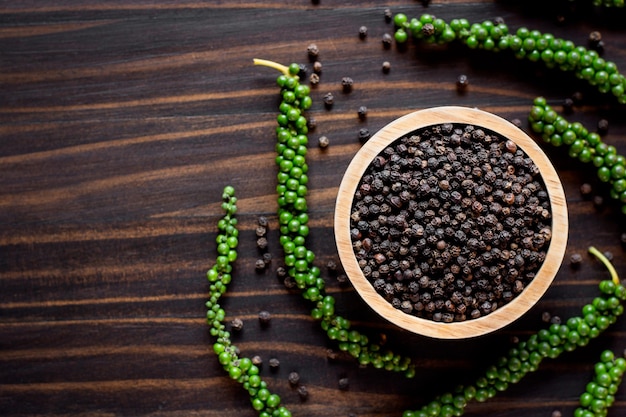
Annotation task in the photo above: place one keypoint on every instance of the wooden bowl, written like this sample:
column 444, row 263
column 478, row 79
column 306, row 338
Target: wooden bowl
column 505, row 314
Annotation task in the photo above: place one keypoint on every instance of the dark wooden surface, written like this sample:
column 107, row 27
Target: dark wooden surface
column 121, row 122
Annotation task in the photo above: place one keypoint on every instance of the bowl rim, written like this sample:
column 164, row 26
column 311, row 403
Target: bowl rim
column 502, row 316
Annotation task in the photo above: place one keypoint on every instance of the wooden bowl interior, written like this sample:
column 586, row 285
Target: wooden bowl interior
column 504, row 315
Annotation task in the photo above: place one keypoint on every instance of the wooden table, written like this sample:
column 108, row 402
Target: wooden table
column 122, row 121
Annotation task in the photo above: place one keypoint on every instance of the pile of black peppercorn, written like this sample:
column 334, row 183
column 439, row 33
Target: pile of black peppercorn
column 451, row 222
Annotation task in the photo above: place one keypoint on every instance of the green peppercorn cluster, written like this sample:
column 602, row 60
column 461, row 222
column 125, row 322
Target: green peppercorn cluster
column 528, row 44
column 606, row 3
column 584, row 145
column 599, row 394
column 241, row 370
column 291, row 147
column 526, row 355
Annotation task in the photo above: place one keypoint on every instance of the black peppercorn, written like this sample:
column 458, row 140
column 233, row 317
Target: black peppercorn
column 363, row 32
column 428, row 29
column 603, row 126
column 595, row 37
column 568, row 105
column 314, row 79
column 344, row 383
column 461, row 83
column 313, row 52
column 386, row 67
column 323, row 142
column 364, row 135
column 387, row 41
column 362, row 112
column 259, row 265
column 317, row 67
column 257, row 360
column 586, row 190
column 346, row 84
column 303, row 392
column 294, row 378
column 264, row 317
column 388, row 15
column 236, row 324
column 329, row 100
column 274, row 364
column 261, row 243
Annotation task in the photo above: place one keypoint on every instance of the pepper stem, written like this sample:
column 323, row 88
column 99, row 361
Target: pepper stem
column 595, row 252
column 272, row 64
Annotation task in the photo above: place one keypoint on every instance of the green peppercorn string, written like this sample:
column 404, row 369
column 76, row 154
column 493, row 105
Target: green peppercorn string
column 291, row 147
column 605, row 3
column 241, row 370
column 527, row 44
column 599, row 394
column 585, row 146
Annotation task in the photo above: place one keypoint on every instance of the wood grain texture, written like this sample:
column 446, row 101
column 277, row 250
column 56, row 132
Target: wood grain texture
column 121, row 122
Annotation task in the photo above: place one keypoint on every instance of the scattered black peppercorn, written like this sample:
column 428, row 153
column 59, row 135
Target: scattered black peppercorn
column 578, row 98
column 264, row 317
column 281, row 272
column 386, row 67
column 303, row 69
column 342, row 279
column 363, row 32
column 594, row 39
column 586, row 190
column 364, row 135
column 261, row 243
column 344, row 383
column 387, row 41
column 329, row 100
column 314, row 79
column 622, row 238
column 294, row 378
column 303, row 392
column 259, row 265
column 261, row 231
column 263, row 222
column 236, row 324
column 311, row 123
column 257, row 360
column 546, row 317
column 598, row 201
column 568, row 105
column 557, row 413
column 267, row 258
column 575, row 260
column 388, row 15
column 313, row 52
column 317, row 67
column 274, row 364
column 346, row 84
column 517, row 122
column 362, row 112
column 323, row 142
column 461, row 83
column 603, row 127
column 608, row 255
